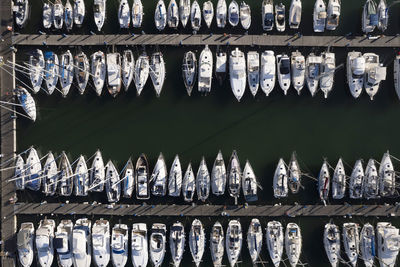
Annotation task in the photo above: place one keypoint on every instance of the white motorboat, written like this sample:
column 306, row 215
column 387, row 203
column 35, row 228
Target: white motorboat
column 137, row 14
column 387, row 176
column 197, row 241
column 66, row 72
column 205, row 70
column 81, row 71
column 298, row 68
column 159, row 177
column 25, row 244
column 328, row 68
column 283, row 67
column 233, row 13
column 98, row 71
column 184, row 12
column 233, row 241
column 33, row 170
column 114, row 73
column 27, row 102
column 333, row 14
column 19, row 174
column 97, row 173
column 128, row 178
column 51, row 71
column 81, row 178
column 47, row 15
column 367, row 245
column 280, row 183
column 140, row 254
column 68, row 16
column 112, row 181
column 220, row 66
column 82, row 243
column 237, row 73
column 351, row 242
column 160, row 15
column 142, row 178
column 267, row 14
column 101, row 242
column 189, row 70
column 253, row 71
column 396, row 74
column 339, row 181
column 313, row 69
column 295, row 14
column 254, row 240
column 177, row 242
column 127, row 68
column 293, row 243
column 79, row 12
column 319, row 16
column 234, row 175
column 99, row 11
column 175, row 178
column 355, row 67
column 124, row 14
column 119, row 245
column 218, row 175
column 370, row 17
column 173, row 14
column 157, row 71
column 388, row 240
column 142, row 70
column 208, row 13
column 294, row 175
column 21, row 12
column 217, row 244
column 245, row 15
column 66, row 184
column 203, row 181
column 249, row 183
column 36, row 66
column 221, row 13
column 274, row 239
column 371, row 181
column 63, row 243
column 58, row 14
column 332, row 243
column 323, row 182
column 158, row 239
column 383, row 15
column 44, row 242
column 374, row 74
column 280, row 14
column 268, row 70
column 188, row 184
column 356, row 186
column 195, row 16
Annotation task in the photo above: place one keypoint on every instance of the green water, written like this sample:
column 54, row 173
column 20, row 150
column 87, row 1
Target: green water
column 261, row 129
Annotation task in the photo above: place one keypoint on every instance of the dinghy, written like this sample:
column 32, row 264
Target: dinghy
column 128, row 179
column 328, row 67
column 173, row 14
column 114, row 73
column 357, row 181
column 142, row 68
column 66, row 72
column 387, row 176
column 332, row 243
column 58, row 14
column 63, row 243
column 50, row 175
column 254, row 240
column 159, row 177
column 295, row 14
column 249, row 183
column 234, row 175
column 101, row 242
column 98, row 71
column 323, row 182
column 351, row 242
column 355, row 67
column 36, row 66
column 267, row 13
column 383, row 15
column 47, row 15
column 371, row 181
column 283, row 67
column 221, row 13
column 367, row 245
column 294, row 175
column 205, row 70
column 339, row 181
column 208, row 13
column 160, row 15
column 233, row 241
column 137, row 13
column 142, row 178
column 184, row 11
column 21, row 12
column 128, row 64
column 51, row 71
column 189, row 70
column 124, row 14
column 79, row 12
column 97, row 173
column 197, row 241
column 157, row 72
column 81, row 71
column 280, row 14
column 375, row 73
column 25, row 244
column 237, row 73
column 253, row 71
column 280, row 183
column 195, row 16
column 333, row 15
column 177, row 242
column 158, row 239
column 19, row 174
column 140, row 253
column 233, row 13
column 27, row 102
column 81, row 178
column 217, row 244
column 112, row 181
column 99, row 10
column 218, row 175
column 82, row 242
column 388, row 238
column 313, row 69
column 188, row 184
column 319, row 16
column 203, row 181
column 68, row 16
column 274, row 235
column 268, row 70
column 220, row 66
column 293, row 243
column 66, row 183
column 33, row 170
column 44, row 242
column 119, row 245
column 245, row 15
column 370, row 17
column 175, row 178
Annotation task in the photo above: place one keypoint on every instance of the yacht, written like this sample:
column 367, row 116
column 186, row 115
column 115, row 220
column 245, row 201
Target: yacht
column 184, row 11
column 63, row 243
column 233, row 241
column 374, row 74
column 27, row 102
column 233, row 13
column 124, row 14
column 51, row 71
column 157, row 71
column 44, row 242
column 356, row 186
column 339, row 181
column 313, row 69
column 160, row 15
column 383, row 15
column 158, row 239
column 217, row 244
column 177, row 242
column 79, row 11
column 99, row 10
column 81, row 71
column 205, row 70
column 355, row 66
column 65, row 179
column 114, row 73
column 81, row 177
column 98, row 71
column 189, row 70
column 221, row 13
column 142, row 69
column 267, row 14
column 119, row 245
column 396, row 74
column 283, row 67
column 175, row 178
column 387, row 176
column 159, row 177
column 371, row 181
column 195, row 16
column 218, row 175
column 220, row 66
column 208, row 13
column 388, row 240
column 237, row 73
column 319, row 16
column 19, row 173
column 66, row 71
column 128, row 179
column 68, row 16
column 137, row 14
column 253, row 71
column 255, row 240
column 280, row 20
column 25, row 244
column 370, row 17
column 33, row 170
column 367, row 245
column 293, row 243
column 323, row 182
column 234, row 176
column 47, row 15
column 197, row 241
column 203, row 181
column 268, row 70
column 328, row 68
column 101, row 242
column 245, row 15
column 333, row 14
column 140, row 254
column 97, row 173
column 82, row 243
column 280, row 183
column 295, row 14
column 294, row 175
column 36, row 66
column 249, row 183
column 274, row 239
column 332, row 243
column 188, row 184
column 351, row 242
column 142, row 178
column 58, row 14
column 21, row 12
column 127, row 67
column 173, row 14
column 112, row 181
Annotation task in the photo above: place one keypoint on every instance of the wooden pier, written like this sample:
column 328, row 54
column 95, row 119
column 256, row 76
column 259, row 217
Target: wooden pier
column 205, row 39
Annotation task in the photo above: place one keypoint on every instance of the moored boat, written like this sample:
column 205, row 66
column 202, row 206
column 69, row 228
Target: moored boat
column 383, row 15
column 66, row 72
column 101, row 242
column 217, row 244
column 27, row 102
column 267, row 13
column 175, row 178
column 142, row 178
column 65, row 180
column 203, row 181
column 44, row 242
column 142, row 69
column 332, row 243
column 159, row 177
column 58, row 14
column 81, row 71
column 351, row 242
column 375, row 73
column 189, row 70
column 158, row 237
column 319, row 16
column 220, row 65
column 280, row 185
column 355, row 67
column 47, row 15
column 268, row 70
column 21, row 12
column 19, row 173
column 205, row 70
column 184, row 11
column 82, row 242
column 160, row 15
column 139, row 245
column 173, row 14
column 51, row 71
column 245, row 15
column 333, row 14
column 221, row 13
column 280, row 14
column 97, row 173
column 234, row 176
column 233, row 241
column 128, row 179
column 137, row 13
column 63, row 243
column 195, row 16
column 218, row 175
column 25, row 238
column 36, row 66
column 323, row 182
column 50, row 175
column 79, row 12
column 249, row 183
column 313, row 69
column 274, row 239
column 99, row 10
column 387, row 176
column 369, row 19
column 295, row 14
column 328, row 67
column 68, row 16
column 112, row 181
column 254, row 240
column 388, row 239
column 283, row 67
column 124, row 14
column 367, row 245
column 197, row 241
column 339, row 181
column 208, row 13
column 119, row 245
column 237, row 73
column 293, row 243
column 356, row 188
column 98, row 71
column 127, row 68
column 233, row 13
column 371, row 181
column 33, row 170
column 188, row 184
column 253, row 71
column 294, row 175
column 114, row 73
column 177, row 242
column 157, row 71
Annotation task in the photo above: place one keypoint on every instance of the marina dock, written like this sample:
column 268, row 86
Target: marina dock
column 205, row 39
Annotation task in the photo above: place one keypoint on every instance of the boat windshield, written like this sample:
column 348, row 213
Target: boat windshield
column 285, row 66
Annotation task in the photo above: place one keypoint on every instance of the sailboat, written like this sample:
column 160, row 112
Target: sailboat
column 280, row 14
column 81, row 71
column 173, row 14
column 333, row 15
column 177, row 242
column 175, row 178
column 114, row 73
column 233, row 13
column 66, row 72
column 319, row 16
column 351, row 242
column 387, row 176
column 220, row 65
column 197, row 241
column 387, row 237
column 21, row 12
column 184, row 11
column 356, row 187
column 50, row 175
column 47, row 15
column 370, row 17
column 367, row 245
column 58, row 14
column 157, row 72
column 328, row 67
column 101, row 242
column 128, row 179
column 36, row 72
column 81, row 178
column 79, row 12
column 25, row 244
column 339, row 181
column 208, row 13
column 245, row 15
column 97, row 173
column 283, row 67
column 313, row 69
column 44, row 242
column 19, row 174
column 323, row 182
column 295, row 14
column 128, row 64
column 63, row 243
column 355, row 67
column 383, row 15
column 124, row 14
column 280, row 184
column 253, row 71
column 254, row 240
column 188, row 184
column 249, row 183
column 233, row 241
column 293, row 243
column 140, row 255
column 51, row 71
column 218, row 175
column 159, row 177
column 142, row 178
column 332, row 243
column 217, row 244
column 294, row 175
column 98, row 71
column 112, row 181
column 268, row 70
column 27, row 102
column 142, row 68
column 234, row 175
column 33, row 170
column 68, row 16
column 137, row 14
column 375, row 73
column 274, row 236
column 205, row 70
column 158, row 243
column 237, row 73
column 371, row 181
column 189, row 70
column 119, row 245
column 66, row 184
column 82, row 242
column 160, row 15
column 221, row 13
column 203, row 181
column 195, row 16
column 267, row 13
column 99, row 10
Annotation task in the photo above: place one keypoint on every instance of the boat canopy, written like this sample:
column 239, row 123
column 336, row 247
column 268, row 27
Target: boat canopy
column 23, row 238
